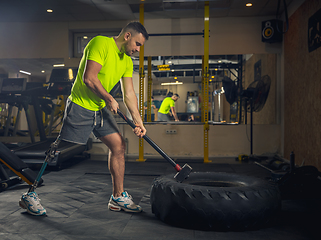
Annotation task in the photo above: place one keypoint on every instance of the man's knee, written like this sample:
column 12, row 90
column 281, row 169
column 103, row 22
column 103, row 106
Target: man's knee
column 118, row 148
column 122, row 145
column 117, row 151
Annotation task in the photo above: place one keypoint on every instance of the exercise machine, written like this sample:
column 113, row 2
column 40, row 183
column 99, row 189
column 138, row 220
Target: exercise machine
column 39, row 96
column 17, row 166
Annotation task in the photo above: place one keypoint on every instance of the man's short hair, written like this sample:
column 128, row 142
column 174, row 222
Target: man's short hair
column 176, row 95
column 137, row 27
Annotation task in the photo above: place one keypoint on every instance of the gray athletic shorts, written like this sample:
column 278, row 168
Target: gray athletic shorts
column 163, row 117
column 79, row 122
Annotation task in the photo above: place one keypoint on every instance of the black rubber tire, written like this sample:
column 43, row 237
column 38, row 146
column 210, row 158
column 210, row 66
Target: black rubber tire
column 215, row 201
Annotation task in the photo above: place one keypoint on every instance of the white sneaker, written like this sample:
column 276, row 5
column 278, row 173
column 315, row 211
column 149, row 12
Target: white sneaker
column 31, row 202
column 124, row 202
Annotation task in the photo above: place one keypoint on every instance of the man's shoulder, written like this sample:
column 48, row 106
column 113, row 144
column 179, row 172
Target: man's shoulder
column 101, row 39
column 168, row 99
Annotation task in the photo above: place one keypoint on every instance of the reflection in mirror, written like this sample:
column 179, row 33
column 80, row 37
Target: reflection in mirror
column 229, row 77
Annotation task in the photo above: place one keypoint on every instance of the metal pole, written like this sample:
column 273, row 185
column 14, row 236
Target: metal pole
column 206, row 79
column 240, row 84
column 149, row 90
column 8, row 122
column 141, row 85
column 251, row 126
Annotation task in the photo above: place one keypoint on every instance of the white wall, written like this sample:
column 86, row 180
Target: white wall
column 50, row 40
column 33, row 40
column 224, row 140
column 227, row 36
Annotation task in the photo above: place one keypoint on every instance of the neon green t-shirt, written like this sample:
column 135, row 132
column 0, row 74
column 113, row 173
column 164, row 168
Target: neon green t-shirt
column 166, row 105
column 115, row 65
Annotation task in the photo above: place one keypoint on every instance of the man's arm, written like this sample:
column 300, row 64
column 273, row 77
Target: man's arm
column 174, row 113
column 131, row 103
column 91, row 80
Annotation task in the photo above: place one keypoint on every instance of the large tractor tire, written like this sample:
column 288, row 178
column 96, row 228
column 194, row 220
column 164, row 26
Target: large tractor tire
column 215, row 201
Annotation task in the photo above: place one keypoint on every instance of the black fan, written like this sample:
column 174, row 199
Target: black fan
column 257, row 93
column 230, row 89
column 255, row 96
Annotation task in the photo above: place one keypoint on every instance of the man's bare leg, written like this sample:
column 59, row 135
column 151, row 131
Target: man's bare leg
column 116, row 161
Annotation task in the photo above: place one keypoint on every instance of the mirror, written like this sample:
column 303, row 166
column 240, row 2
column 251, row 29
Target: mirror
column 183, row 75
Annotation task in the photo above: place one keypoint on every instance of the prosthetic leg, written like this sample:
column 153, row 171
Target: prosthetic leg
column 30, row 200
column 50, row 154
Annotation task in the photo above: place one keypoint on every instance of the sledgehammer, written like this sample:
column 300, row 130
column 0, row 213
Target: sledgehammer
column 182, row 172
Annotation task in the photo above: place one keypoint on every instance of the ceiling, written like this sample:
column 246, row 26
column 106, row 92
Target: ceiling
column 102, row 10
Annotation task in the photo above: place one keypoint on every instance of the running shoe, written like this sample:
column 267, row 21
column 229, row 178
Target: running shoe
column 31, row 202
column 124, row 202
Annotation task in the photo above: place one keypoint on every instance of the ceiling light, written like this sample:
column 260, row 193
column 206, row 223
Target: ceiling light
column 70, row 74
column 59, row 65
column 248, row 4
column 85, row 37
column 49, row 10
column 24, row 72
column 43, row 71
column 172, row 83
column 170, row 1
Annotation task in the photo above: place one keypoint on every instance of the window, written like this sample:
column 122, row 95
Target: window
column 81, row 39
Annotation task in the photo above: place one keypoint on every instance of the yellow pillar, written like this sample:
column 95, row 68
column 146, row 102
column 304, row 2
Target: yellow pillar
column 202, row 89
column 149, row 90
column 205, row 79
column 141, row 85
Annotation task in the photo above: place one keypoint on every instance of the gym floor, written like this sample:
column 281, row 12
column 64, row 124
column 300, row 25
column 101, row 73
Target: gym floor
column 76, row 198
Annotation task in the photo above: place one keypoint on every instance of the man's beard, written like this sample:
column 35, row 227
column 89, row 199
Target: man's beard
column 128, row 52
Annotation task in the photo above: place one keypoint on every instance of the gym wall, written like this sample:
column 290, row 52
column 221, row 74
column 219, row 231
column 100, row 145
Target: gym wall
column 51, row 40
column 302, row 125
column 227, row 36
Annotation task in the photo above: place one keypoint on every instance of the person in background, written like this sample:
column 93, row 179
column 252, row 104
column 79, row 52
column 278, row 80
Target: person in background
column 152, row 104
column 153, row 108
column 167, row 107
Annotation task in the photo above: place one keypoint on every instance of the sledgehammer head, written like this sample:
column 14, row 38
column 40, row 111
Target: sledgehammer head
column 183, row 173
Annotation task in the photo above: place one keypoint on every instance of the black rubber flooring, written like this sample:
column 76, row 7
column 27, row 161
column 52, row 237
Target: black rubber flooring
column 76, row 200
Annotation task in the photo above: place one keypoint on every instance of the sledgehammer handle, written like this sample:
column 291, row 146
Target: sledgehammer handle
column 152, row 143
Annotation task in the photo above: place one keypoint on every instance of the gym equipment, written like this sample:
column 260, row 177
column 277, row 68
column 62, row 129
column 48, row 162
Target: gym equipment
column 192, row 104
column 182, row 172
column 10, row 93
column 18, row 92
column 255, row 96
column 36, row 152
column 16, row 165
column 294, row 182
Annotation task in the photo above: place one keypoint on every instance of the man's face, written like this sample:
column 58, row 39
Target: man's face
column 175, row 98
column 133, row 43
